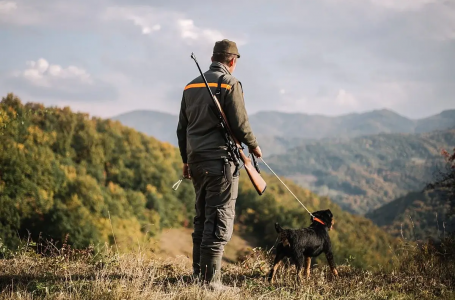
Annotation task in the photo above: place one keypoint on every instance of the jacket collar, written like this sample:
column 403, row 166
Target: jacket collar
column 219, row 67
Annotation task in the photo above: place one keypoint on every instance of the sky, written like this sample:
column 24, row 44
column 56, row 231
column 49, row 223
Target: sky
column 329, row 57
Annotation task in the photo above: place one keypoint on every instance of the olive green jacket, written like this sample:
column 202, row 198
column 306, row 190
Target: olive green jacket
column 199, row 136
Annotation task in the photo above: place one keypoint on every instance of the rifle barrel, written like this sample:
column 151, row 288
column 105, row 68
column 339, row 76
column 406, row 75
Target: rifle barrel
column 202, row 75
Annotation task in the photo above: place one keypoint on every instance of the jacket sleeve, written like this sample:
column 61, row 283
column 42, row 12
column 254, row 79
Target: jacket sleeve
column 237, row 116
column 181, row 131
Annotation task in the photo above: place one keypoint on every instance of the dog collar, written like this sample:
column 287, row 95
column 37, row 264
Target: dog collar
column 318, row 220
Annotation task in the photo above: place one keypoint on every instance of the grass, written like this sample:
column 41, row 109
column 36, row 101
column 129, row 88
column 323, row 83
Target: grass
column 65, row 273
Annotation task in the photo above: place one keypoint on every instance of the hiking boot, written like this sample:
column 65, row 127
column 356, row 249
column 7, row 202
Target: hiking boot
column 191, row 279
column 218, row 286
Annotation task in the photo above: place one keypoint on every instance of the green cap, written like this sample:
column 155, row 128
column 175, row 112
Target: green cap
column 226, row 46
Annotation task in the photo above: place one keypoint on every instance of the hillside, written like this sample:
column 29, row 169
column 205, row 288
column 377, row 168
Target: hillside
column 291, row 126
column 66, row 173
column 363, row 173
column 416, row 215
column 426, row 214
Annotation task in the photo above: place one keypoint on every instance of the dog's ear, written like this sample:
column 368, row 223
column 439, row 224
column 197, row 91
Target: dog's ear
column 329, row 213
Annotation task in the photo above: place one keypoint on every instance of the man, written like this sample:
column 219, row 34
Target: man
column 206, row 160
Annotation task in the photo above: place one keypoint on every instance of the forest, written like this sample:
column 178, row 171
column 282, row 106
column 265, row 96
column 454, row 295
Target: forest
column 364, row 173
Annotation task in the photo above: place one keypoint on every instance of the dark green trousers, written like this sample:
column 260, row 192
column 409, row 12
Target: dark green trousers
column 216, row 188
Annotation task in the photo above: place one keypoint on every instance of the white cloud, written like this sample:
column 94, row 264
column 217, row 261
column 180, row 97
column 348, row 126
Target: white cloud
column 146, row 18
column 402, row 5
column 187, row 28
column 7, row 7
column 345, row 99
column 189, row 31
column 49, row 13
column 151, row 19
column 282, row 91
column 51, row 81
column 144, row 24
column 41, row 73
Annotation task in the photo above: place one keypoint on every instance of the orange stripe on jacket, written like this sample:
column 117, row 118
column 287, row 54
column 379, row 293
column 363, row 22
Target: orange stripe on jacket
column 202, row 85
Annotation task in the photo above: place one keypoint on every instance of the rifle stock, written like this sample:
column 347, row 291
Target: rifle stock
column 256, row 179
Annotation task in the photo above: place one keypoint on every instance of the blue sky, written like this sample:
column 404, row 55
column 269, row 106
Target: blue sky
column 329, row 57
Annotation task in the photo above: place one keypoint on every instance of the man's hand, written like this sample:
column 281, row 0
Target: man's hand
column 186, row 171
column 256, row 152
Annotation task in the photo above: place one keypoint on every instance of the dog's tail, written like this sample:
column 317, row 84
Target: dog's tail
column 278, row 228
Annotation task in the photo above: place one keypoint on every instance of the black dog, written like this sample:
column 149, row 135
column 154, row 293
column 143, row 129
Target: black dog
column 303, row 244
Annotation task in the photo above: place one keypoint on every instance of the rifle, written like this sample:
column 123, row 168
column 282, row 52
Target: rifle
column 235, row 149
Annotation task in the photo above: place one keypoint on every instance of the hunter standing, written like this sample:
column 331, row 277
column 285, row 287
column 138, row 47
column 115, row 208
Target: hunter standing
column 206, row 160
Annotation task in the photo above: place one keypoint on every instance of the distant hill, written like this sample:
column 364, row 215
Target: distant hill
column 416, row 215
column 363, row 173
column 350, row 125
column 162, row 126
column 319, row 126
column 444, row 120
column 279, row 131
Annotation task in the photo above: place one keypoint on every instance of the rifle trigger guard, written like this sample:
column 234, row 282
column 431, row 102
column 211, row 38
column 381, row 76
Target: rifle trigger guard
column 255, row 163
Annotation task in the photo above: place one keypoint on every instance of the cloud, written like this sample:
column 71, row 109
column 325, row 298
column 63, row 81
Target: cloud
column 402, row 5
column 146, row 29
column 7, row 7
column 146, row 18
column 51, row 80
column 190, row 31
column 151, row 19
column 345, row 99
column 49, row 13
column 41, row 73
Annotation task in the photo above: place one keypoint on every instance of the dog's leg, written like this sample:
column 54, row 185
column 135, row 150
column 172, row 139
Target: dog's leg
column 307, row 266
column 276, row 263
column 273, row 272
column 331, row 261
column 299, row 267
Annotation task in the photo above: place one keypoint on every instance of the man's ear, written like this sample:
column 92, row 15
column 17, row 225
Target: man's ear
column 232, row 62
column 212, row 58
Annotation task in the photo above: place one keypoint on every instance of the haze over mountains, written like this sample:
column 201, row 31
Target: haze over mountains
column 360, row 160
column 299, row 125
column 160, row 125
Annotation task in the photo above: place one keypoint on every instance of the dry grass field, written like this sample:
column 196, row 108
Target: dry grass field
column 64, row 273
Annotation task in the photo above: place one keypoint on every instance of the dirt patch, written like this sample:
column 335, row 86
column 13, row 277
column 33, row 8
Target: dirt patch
column 177, row 243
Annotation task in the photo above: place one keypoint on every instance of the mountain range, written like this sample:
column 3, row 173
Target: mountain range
column 279, row 131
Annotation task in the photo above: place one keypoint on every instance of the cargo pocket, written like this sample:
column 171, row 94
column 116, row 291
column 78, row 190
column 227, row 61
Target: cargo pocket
column 216, row 179
column 224, row 223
